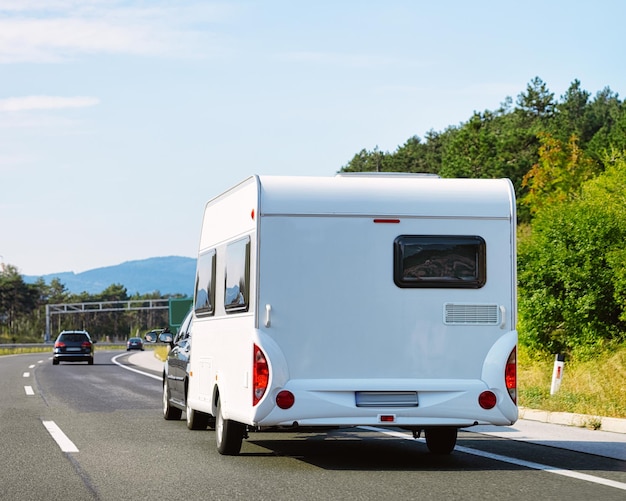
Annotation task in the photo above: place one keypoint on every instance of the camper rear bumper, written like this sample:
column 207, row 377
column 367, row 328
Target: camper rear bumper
column 404, row 403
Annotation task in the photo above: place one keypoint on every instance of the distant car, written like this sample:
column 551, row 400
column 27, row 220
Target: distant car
column 134, row 343
column 73, row 346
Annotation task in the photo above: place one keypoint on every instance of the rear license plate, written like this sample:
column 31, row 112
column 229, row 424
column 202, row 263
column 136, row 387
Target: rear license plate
column 73, row 349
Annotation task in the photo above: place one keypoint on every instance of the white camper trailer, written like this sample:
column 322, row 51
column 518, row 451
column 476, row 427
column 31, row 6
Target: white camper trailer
column 356, row 300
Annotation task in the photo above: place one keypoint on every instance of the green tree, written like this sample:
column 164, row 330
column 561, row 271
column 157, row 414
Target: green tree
column 537, row 102
column 364, row 161
column 54, row 293
column 610, row 188
column 472, row 151
column 419, row 156
column 558, row 175
column 17, row 299
column 114, row 292
column 572, row 115
column 414, row 156
column 608, row 115
column 571, row 269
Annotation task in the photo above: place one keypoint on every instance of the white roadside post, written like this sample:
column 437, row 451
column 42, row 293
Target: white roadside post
column 557, row 373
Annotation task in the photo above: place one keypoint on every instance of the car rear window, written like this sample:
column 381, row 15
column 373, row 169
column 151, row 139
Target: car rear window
column 73, row 338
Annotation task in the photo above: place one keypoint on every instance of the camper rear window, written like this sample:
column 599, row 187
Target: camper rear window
column 237, row 294
column 205, row 284
column 439, row 261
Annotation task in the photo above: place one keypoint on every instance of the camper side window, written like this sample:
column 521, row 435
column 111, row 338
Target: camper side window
column 237, row 283
column 439, row 261
column 204, row 296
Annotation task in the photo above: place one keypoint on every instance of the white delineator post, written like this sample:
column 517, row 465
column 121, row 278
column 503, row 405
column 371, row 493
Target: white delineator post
column 557, row 373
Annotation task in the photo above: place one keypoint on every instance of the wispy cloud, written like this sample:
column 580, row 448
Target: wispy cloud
column 14, row 104
column 60, row 30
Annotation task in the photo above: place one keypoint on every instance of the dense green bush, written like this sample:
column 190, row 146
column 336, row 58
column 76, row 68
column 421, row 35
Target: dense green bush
column 572, row 271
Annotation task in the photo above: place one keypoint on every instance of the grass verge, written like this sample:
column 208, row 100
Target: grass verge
column 161, row 351
column 596, row 387
column 48, row 349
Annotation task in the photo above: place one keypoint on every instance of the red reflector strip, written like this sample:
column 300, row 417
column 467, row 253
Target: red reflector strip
column 387, row 418
column 393, row 221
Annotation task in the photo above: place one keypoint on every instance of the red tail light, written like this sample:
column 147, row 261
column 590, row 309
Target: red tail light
column 260, row 375
column 59, row 344
column 285, row 399
column 487, row 399
column 86, row 344
column 510, row 375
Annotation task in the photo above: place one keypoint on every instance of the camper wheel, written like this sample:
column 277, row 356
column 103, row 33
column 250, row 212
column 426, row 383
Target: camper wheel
column 169, row 412
column 228, row 433
column 441, row 440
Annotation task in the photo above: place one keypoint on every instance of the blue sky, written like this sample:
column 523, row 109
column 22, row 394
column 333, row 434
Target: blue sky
column 120, row 119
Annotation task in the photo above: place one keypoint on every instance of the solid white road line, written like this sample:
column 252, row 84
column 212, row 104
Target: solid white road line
column 29, row 390
column 543, row 467
column 59, row 437
column 515, row 461
column 114, row 360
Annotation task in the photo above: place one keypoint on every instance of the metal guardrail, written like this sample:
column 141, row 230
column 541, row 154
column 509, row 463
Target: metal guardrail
column 51, row 344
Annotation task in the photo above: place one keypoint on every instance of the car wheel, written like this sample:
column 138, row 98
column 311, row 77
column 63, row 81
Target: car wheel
column 228, row 434
column 90, row 361
column 169, row 412
column 196, row 420
column 441, row 440
column 55, row 361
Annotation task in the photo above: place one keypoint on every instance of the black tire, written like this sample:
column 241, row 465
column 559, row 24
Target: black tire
column 90, row 361
column 55, row 361
column 169, row 412
column 441, row 440
column 196, row 420
column 211, row 423
column 228, row 434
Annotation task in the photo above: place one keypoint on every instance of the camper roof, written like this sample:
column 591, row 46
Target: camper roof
column 388, row 195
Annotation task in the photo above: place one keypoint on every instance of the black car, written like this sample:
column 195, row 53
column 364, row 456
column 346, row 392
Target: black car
column 73, row 346
column 176, row 378
column 134, row 343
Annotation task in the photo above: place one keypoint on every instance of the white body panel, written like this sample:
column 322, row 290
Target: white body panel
column 324, row 308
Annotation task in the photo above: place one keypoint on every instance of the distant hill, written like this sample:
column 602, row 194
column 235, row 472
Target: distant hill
column 167, row 275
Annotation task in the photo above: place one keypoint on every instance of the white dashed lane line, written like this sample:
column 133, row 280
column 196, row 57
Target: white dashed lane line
column 59, row 437
column 29, row 390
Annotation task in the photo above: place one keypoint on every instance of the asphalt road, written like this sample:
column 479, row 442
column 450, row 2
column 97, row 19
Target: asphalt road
column 81, row 432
